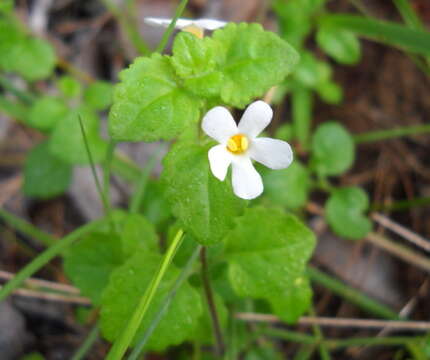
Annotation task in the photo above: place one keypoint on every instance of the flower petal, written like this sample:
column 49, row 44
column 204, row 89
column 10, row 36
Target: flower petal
column 219, row 124
column 209, row 24
column 165, row 22
column 255, row 118
column 219, row 161
column 247, row 183
column 273, row 153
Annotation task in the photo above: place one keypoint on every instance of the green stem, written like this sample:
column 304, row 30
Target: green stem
column 401, row 205
column 165, row 304
column 302, row 105
column 26, row 228
column 107, row 168
column 391, row 133
column 166, row 35
column 87, row 344
column 350, row 294
column 340, row 343
column 408, row 14
column 324, row 353
column 104, row 198
column 143, row 181
column 123, row 342
column 20, row 94
column 129, row 26
column 46, row 256
column 126, row 168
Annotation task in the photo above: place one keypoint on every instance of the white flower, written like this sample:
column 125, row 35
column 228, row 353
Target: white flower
column 238, row 144
column 196, row 27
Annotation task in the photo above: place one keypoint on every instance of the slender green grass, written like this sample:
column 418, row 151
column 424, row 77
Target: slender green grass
column 352, row 295
column 86, row 346
column 408, row 14
column 129, row 26
column 391, row 133
column 166, row 35
column 121, row 345
column 56, row 249
column 26, row 228
column 186, row 271
column 341, row 343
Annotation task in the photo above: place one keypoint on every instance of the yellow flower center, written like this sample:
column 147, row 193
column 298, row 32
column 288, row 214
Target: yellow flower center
column 195, row 30
column 237, row 144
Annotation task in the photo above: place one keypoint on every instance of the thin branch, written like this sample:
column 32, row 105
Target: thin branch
column 402, row 231
column 39, row 283
column 341, row 322
column 400, row 251
column 78, row 300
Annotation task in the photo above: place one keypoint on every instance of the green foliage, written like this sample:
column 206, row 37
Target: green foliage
column 267, row 253
column 67, row 140
column 126, row 286
column 69, row 86
column 340, row 44
column 330, row 92
column 311, row 72
column 288, row 187
column 98, row 95
column 148, row 103
column 46, row 112
column 6, row 6
column 253, row 60
column 205, row 206
column 33, row 356
column 333, row 149
column 90, row 262
column 45, row 175
column 30, row 57
column 195, row 61
column 413, row 41
column 345, row 212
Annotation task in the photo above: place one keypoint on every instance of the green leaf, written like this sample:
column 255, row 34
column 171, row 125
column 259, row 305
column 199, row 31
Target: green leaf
column 148, row 103
column 330, row 92
column 90, row 262
column 205, row 206
column 6, row 6
column 310, row 72
column 32, row 58
column 252, row 61
column 138, row 232
column 341, row 45
column 45, row 175
column 270, row 267
column 69, row 86
column 99, row 95
column 411, row 40
column 284, row 132
column 46, row 112
column 67, row 140
column 294, row 22
column 126, row 286
column 195, row 61
column 345, row 212
column 333, row 149
column 155, row 205
column 288, row 187
column 294, row 302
